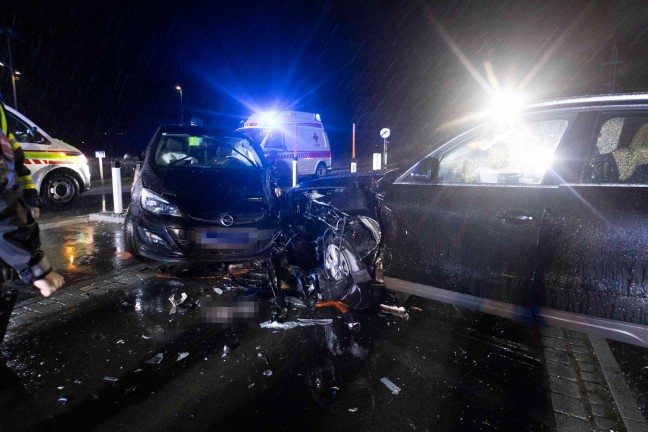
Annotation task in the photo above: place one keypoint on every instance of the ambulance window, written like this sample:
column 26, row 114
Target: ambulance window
column 275, row 141
column 22, row 131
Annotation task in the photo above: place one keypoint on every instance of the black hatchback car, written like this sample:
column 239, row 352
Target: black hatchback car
column 544, row 218
column 202, row 195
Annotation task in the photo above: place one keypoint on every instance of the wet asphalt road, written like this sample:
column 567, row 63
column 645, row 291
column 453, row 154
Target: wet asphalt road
column 86, row 369
column 457, row 370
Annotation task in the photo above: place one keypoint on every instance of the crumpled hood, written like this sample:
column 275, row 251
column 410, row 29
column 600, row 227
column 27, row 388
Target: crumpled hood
column 198, row 191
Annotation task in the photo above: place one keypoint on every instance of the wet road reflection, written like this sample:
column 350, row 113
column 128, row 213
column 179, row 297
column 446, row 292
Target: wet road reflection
column 95, row 367
column 82, row 252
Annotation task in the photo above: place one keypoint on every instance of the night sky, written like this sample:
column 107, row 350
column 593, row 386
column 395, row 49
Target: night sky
column 102, row 74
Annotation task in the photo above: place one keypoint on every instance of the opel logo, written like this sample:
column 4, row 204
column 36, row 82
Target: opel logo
column 227, row 220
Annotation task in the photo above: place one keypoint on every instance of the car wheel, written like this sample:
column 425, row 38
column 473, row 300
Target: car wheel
column 336, row 279
column 320, row 171
column 60, row 189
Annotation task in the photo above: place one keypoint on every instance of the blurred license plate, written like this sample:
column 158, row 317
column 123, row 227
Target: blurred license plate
column 231, row 238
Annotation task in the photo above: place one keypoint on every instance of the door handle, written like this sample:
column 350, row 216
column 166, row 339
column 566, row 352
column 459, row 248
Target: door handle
column 514, row 216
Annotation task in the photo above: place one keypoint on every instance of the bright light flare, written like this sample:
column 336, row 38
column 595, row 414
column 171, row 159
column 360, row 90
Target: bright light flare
column 269, row 119
column 505, row 106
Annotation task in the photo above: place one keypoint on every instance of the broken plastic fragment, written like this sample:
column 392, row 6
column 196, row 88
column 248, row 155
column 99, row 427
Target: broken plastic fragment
column 251, row 385
column 226, row 350
column 294, row 301
column 218, row 291
column 313, row 321
column 146, row 337
column 353, row 409
column 390, row 385
column 267, row 372
column 355, row 326
column 395, row 310
column 341, row 306
column 279, row 326
column 63, row 399
column 110, row 379
column 182, row 355
column 120, row 342
column 176, row 301
column 156, row 359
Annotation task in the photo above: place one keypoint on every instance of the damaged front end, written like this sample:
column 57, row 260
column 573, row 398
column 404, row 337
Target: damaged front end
column 331, row 228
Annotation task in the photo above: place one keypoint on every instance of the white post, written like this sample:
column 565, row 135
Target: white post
column 377, row 158
column 117, row 187
column 294, row 172
column 101, row 170
column 354, row 165
column 385, row 150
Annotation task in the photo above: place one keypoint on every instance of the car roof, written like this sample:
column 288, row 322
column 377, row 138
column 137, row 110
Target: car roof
column 594, row 101
column 196, row 130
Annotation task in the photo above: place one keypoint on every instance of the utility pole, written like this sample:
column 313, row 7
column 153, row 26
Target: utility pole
column 9, row 33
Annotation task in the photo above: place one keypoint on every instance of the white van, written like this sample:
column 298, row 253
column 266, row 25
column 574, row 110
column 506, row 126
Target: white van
column 59, row 171
column 282, row 133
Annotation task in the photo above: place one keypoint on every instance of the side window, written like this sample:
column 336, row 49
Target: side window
column 21, row 131
column 621, row 152
column 275, row 141
column 509, row 154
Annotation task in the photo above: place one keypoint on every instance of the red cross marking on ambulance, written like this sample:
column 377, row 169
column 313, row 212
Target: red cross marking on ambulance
column 315, row 137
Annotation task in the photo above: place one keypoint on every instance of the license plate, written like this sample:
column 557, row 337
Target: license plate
column 231, row 238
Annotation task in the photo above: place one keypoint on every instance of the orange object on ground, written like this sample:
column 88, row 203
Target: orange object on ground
column 338, row 304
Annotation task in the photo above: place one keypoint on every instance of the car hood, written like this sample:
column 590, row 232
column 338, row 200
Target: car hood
column 198, row 191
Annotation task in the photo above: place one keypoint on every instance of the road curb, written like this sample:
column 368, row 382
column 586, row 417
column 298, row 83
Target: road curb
column 110, row 217
column 63, row 223
column 618, row 386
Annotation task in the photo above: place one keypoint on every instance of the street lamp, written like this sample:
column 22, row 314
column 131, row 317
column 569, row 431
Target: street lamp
column 181, row 107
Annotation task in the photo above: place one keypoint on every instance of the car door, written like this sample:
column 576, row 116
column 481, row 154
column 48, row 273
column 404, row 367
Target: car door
column 462, row 225
column 592, row 267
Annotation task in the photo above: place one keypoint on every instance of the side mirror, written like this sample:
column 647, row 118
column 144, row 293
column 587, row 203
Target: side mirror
column 427, row 170
column 133, row 157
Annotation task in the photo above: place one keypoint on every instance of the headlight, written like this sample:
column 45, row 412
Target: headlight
column 154, row 203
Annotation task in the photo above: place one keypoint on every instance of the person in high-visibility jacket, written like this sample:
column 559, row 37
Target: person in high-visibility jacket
column 19, row 234
column 24, row 175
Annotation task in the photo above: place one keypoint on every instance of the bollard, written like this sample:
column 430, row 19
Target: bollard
column 294, row 172
column 354, row 165
column 377, row 159
column 117, row 186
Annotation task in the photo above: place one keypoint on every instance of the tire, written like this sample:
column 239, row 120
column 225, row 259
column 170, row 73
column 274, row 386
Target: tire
column 60, row 189
column 320, row 171
column 129, row 238
column 335, row 277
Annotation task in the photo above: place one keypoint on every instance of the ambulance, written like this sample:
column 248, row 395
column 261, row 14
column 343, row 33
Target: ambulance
column 59, row 171
column 282, row 134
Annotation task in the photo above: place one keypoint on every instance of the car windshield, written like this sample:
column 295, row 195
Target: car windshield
column 205, row 151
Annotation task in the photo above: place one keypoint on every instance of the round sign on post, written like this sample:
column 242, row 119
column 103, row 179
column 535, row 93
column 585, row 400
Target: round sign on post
column 384, row 133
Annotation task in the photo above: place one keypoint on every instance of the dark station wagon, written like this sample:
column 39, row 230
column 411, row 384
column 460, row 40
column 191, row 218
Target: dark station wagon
column 543, row 219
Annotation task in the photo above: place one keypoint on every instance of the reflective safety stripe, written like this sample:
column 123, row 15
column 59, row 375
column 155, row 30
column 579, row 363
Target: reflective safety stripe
column 3, row 120
column 305, row 155
column 54, row 157
column 26, row 182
